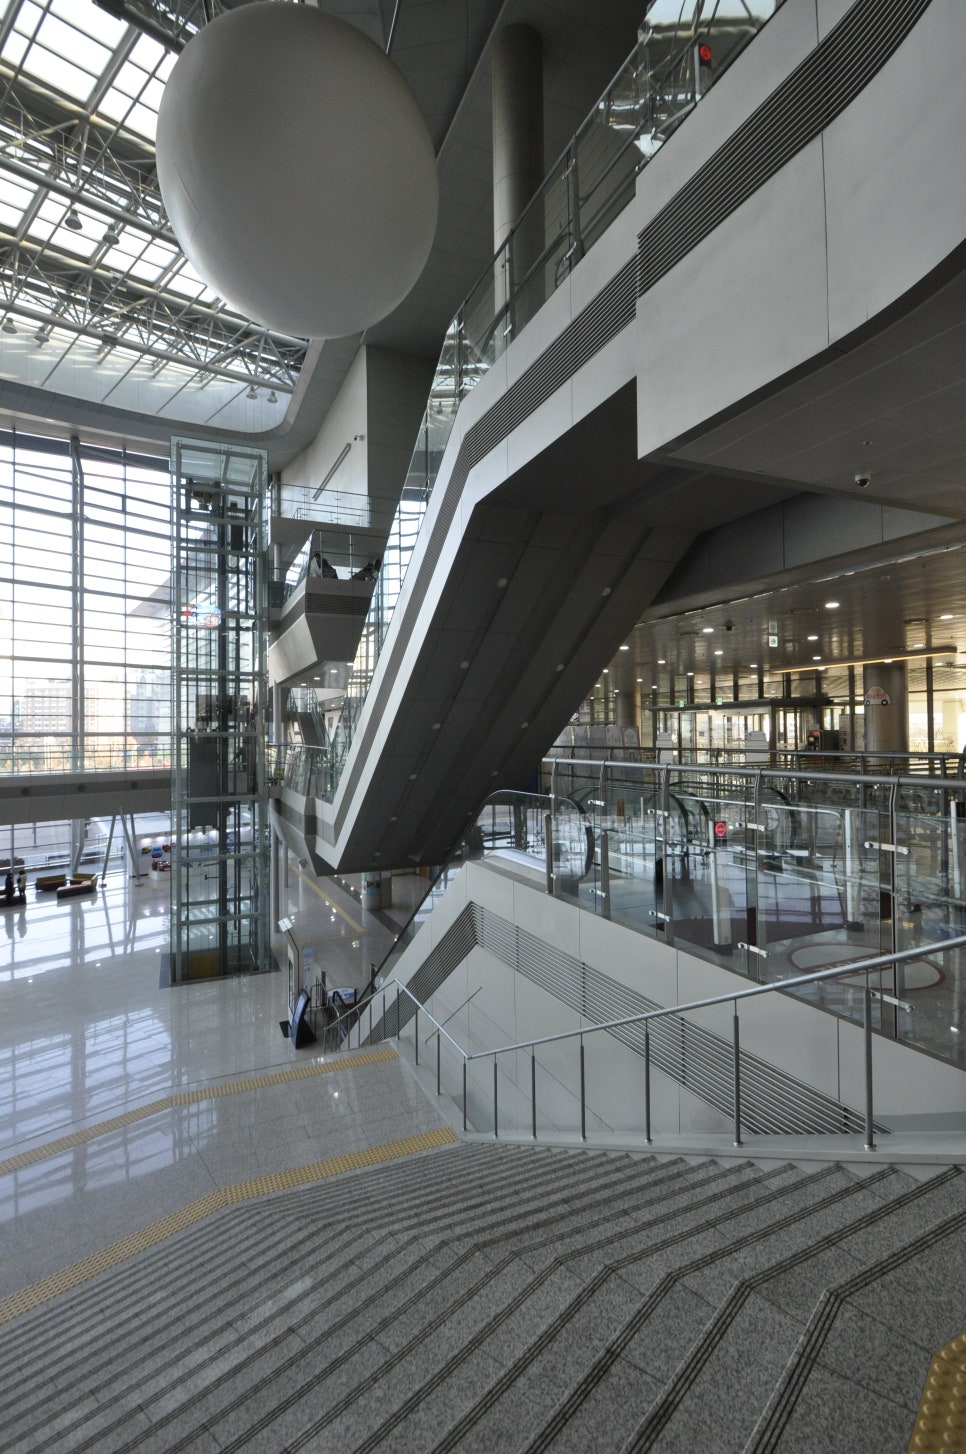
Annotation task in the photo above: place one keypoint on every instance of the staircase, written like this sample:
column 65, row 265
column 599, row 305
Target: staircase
column 492, row 1298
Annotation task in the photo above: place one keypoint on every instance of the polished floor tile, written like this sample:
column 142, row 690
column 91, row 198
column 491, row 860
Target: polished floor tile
column 90, row 1034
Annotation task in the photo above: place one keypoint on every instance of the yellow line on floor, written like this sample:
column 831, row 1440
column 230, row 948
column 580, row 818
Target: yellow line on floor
column 941, row 1424
column 331, row 902
column 41, row 1292
column 190, row 1098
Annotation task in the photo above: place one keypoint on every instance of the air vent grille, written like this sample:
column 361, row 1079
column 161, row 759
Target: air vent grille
column 773, row 1102
column 811, row 97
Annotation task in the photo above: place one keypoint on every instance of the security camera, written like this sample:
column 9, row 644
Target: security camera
column 863, row 481
column 729, row 626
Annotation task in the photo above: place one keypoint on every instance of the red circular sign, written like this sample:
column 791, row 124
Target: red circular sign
column 720, row 829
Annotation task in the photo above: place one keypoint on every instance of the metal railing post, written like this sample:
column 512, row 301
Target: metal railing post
column 416, row 1033
column 439, row 1041
column 647, row 1085
column 548, row 849
column 496, row 1131
column 398, row 1017
column 464, row 1092
column 867, row 1036
column 737, row 1067
column 583, row 1094
column 533, row 1092
column 605, row 873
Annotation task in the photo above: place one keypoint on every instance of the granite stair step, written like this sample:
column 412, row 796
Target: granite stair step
column 546, row 1181
column 516, row 1298
column 727, row 1373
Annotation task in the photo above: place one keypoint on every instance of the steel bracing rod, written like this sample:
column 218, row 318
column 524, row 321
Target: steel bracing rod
column 157, row 22
column 122, row 293
column 50, row 140
column 165, row 328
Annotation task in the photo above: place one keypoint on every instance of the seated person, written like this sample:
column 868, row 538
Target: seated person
column 319, row 566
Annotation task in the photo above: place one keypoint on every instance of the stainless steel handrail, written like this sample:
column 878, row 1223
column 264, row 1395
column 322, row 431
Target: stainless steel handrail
column 753, row 770
column 868, row 966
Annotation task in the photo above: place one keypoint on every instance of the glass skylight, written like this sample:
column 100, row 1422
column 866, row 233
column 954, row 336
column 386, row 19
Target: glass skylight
column 86, row 253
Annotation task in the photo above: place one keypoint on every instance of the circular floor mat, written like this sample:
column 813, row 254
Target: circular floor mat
column 918, row 974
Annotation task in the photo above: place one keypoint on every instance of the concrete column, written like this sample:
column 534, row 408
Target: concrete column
column 625, row 713
column 886, row 708
column 517, row 135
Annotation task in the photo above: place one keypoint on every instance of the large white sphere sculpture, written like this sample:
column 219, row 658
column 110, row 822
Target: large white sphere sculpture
column 296, row 169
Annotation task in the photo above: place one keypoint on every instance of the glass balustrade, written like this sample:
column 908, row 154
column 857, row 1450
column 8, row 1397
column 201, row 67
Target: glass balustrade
column 779, row 873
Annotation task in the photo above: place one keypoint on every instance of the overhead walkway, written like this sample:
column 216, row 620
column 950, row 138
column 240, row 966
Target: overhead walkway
column 554, row 491
column 28, row 795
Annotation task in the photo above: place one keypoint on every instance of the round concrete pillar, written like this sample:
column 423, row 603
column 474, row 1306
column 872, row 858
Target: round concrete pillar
column 886, row 707
column 517, row 125
column 625, row 711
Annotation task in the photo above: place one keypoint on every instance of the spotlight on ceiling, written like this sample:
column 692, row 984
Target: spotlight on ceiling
column 273, row 397
column 112, row 236
column 73, row 221
column 252, row 392
column 8, row 325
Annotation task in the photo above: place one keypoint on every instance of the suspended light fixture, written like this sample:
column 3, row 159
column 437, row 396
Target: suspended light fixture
column 112, row 236
column 252, row 392
column 273, row 397
column 73, row 221
column 8, row 325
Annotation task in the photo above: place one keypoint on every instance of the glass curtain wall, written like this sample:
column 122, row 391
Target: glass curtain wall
column 85, row 563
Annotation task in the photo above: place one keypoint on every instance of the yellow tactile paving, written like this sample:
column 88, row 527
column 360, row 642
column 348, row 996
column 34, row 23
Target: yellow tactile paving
column 941, row 1425
column 49, row 1287
column 189, row 1098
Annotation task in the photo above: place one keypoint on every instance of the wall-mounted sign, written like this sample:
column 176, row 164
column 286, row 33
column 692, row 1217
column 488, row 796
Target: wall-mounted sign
column 877, row 697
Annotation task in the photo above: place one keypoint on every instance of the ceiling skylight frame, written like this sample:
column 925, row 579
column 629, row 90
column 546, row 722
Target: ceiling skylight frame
column 61, row 152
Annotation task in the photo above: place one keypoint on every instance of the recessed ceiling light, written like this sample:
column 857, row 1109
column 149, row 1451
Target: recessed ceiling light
column 707, row 630
column 752, row 666
column 625, row 648
column 690, row 673
column 813, row 638
column 719, row 652
column 661, row 661
column 831, row 605
column 606, row 671
column 653, row 686
column 916, row 645
column 946, row 616
column 816, row 658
